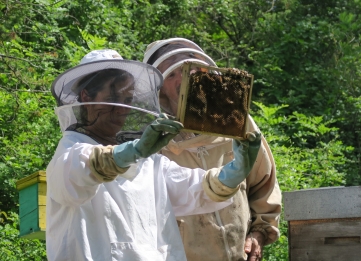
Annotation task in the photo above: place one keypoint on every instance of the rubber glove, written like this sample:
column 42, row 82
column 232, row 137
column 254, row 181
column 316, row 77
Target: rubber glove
column 156, row 136
column 245, row 154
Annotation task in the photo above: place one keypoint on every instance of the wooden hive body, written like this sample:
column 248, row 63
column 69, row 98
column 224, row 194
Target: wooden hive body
column 324, row 224
column 32, row 205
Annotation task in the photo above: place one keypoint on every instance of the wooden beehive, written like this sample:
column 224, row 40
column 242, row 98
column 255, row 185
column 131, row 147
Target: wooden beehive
column 324, row 224
column 214, row 101
column 32, row 205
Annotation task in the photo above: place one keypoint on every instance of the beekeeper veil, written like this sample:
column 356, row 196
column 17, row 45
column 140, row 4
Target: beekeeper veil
column 107, row 98
column 173, row 53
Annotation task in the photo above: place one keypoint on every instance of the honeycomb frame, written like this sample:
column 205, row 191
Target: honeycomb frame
column 184, row 92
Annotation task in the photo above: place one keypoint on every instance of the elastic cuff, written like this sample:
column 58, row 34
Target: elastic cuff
column 214, row 189
column 261, row 230
column 102, row 164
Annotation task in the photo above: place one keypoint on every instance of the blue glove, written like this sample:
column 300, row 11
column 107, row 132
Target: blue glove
column 156, row 136
column 245, row 154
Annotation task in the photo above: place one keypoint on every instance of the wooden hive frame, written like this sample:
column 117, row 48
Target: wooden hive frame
column 183, row 95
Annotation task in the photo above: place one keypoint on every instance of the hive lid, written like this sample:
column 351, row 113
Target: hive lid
column 322, row 203
column 39, row 176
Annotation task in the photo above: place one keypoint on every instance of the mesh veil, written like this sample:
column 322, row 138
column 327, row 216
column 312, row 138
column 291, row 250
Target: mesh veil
column 123, row 99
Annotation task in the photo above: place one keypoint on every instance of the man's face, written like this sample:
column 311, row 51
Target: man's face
column 171, row 86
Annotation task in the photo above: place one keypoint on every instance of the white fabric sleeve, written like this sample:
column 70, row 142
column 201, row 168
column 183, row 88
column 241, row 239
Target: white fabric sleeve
column 186, row 192
column 69, row 179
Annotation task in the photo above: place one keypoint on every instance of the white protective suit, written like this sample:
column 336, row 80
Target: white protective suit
column 119, row 220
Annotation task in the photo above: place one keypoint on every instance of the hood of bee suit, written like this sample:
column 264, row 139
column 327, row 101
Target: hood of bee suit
column 143, row 106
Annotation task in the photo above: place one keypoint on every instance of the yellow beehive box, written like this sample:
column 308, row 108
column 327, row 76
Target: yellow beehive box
column 32, row 205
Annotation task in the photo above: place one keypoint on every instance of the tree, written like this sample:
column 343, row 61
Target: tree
column 305, row 57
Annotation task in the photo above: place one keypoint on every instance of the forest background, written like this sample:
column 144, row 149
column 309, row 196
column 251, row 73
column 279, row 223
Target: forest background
column 304, row 55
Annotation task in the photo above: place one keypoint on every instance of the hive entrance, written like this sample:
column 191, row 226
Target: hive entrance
column 214, row 100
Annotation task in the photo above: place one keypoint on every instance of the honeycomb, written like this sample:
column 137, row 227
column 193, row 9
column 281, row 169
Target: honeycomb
column 218, row 103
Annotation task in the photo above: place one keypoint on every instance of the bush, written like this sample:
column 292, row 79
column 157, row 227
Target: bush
column 13, row 248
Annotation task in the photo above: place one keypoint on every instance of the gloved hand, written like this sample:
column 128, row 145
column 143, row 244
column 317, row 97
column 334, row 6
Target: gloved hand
column 156, row 136
column 245, row 154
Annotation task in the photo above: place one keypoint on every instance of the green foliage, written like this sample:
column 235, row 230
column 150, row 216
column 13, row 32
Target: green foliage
column 308, row 158
column 309, row 58
column 300, row 164
column 13, row 248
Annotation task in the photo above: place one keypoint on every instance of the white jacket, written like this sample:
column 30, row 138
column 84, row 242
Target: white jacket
column 120, row 220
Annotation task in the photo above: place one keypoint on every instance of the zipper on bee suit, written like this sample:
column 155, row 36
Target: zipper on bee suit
column 201, row 152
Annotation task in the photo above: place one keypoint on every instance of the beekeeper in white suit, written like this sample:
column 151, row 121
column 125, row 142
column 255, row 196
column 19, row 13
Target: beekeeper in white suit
column 237, row 232
column 110, row 199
